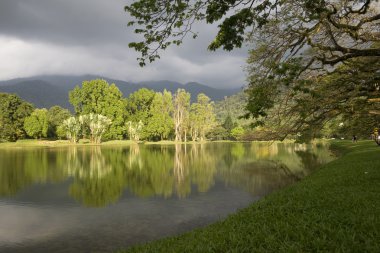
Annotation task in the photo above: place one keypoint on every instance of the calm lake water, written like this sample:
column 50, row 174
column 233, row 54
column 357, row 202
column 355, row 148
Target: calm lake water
column 100, row 199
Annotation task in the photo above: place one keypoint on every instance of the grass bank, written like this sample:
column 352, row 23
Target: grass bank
column 336, row 209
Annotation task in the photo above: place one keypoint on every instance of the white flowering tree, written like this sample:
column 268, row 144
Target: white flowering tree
column 134, row 130
column 98, row 125
column 72, row 127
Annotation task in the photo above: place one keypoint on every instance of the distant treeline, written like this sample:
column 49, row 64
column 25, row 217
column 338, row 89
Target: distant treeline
column 102, row 113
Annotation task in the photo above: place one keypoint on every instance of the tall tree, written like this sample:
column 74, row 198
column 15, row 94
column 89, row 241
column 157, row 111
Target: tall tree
column 228, row 123
column 161, row 122
column 13, row 111
column 98, row 97
column 202, row 117
column 181, row 113
column 37, row 124
column 139, row 108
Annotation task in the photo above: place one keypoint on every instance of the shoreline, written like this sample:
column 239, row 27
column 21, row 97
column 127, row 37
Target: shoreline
column 30, row 143
column 337, row 208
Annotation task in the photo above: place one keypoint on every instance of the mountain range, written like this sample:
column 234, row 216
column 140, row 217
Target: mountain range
column 46, row 91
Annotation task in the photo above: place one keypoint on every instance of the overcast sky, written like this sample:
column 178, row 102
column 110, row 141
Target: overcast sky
column 91, row 37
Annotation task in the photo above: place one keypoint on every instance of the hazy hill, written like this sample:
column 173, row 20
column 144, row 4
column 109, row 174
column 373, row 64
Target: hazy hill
column 39, row 93
column 46, row 91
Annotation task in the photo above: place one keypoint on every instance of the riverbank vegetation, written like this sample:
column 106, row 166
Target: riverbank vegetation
column 336, row 209
column 103, row 114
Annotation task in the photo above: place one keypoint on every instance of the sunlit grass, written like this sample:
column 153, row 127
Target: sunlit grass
column 336, row 209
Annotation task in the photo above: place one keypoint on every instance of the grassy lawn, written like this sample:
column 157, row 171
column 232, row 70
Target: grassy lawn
column 336, row 209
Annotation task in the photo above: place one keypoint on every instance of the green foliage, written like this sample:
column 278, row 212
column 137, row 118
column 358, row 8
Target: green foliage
column 98, row 97
column 233, row 106
column 284, row 28
column 202, row 117
column 218, row 133
column 139, row 108
column 61, row 132
column 154, row 20
column 228, row 124
column 237, row 132
column 13, row 112
column 56, row 116
column 37, row 124
column 161, row 123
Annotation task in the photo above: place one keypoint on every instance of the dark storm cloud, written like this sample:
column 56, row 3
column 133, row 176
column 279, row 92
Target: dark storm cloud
column 91, row 37
column 65, row 21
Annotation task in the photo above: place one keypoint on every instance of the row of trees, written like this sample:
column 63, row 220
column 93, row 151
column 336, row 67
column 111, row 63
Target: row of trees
column 101, row 112
column 145, row 114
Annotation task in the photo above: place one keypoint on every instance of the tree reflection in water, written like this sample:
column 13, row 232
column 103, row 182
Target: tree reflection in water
column 98, row 176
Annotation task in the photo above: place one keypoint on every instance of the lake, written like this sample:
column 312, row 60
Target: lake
column 100, row 199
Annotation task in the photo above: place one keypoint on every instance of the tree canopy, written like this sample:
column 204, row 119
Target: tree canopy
column 13, row 111
column 37, row 124
column 99, row 97
column 335, row 30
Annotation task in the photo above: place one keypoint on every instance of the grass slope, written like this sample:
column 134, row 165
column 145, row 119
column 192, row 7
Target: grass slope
column 336, row 209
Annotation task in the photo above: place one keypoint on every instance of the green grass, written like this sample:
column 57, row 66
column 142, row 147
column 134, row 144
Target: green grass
column 336, row 209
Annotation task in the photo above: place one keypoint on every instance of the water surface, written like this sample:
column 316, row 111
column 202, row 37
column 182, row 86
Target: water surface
column 100, row 199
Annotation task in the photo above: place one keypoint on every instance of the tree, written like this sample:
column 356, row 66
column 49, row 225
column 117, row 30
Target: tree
column 139, row 108
column 98, row 125
column 202, row 117
column 37, row 124
column 13, row 112
column 218, row 133
column 228, row 124
column 72, row 127
column 181, row 113
column 340, row 27
column 134, row 130
column 56, row 116
column 237, row 132
column 98, row 97
column 303, row 110
column 161, row 122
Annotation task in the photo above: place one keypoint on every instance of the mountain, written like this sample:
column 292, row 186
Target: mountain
column 40, row 93
column 46, row 91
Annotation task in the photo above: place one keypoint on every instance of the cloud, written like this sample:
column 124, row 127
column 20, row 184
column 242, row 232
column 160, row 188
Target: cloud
column 91, row 37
